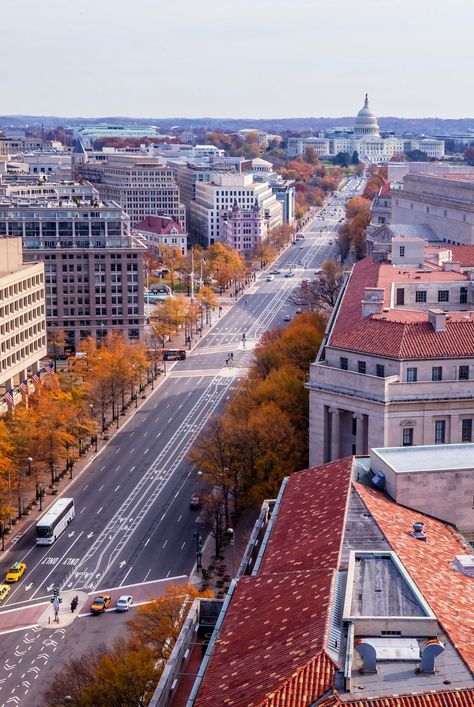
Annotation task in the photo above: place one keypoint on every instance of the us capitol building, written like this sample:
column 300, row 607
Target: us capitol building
column 365, row 139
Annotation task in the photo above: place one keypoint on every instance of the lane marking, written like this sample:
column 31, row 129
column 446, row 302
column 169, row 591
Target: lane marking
column 85, row 487
column 115, row 491
column 100, row 509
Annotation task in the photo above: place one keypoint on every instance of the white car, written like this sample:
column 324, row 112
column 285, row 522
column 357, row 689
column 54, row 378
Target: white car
column 124, row 602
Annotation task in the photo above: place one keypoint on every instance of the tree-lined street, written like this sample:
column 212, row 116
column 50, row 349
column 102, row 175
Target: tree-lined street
column 133, row 522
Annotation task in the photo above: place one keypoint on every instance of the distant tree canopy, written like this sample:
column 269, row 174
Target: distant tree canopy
column 469, row 155
column 417, row 156
column 343, row 159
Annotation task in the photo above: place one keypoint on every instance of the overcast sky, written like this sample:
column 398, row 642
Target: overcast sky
column 236, row 58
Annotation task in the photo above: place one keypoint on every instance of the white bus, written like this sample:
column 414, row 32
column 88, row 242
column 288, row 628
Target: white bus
column 52, row 524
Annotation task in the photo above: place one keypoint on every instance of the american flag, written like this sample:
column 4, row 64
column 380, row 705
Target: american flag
column 24, row 386
column 37, row 376
column 9, row 396
column 50, row 368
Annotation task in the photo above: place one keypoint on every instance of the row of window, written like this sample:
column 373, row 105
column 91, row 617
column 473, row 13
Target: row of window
column 412, row 372
column 22, row 354
column 439, row 432
column 14, row 341
column 13, row 324
column 421, row 295
column 15, row 289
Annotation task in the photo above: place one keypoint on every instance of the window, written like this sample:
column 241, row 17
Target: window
column 380, row 370
column 463, row 373
column 361, row 365
column 466, row 431
column 437, row 373
column 407, row 437
column 400, row 295
column 343, row 362
column 402, row 251
column 420, row 296
column 463, row 295
column 412, row 375
column 440, row 431
column 443, row 295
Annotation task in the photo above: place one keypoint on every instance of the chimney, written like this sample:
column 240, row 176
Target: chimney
column 373, row 301
column 451, row 266
column 418, row 531
column 437, row 319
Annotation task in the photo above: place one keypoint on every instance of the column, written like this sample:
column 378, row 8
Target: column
column 335, row 433
column 359, row 418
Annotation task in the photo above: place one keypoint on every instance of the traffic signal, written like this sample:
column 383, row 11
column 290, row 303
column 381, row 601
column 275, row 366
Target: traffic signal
column 56, row 591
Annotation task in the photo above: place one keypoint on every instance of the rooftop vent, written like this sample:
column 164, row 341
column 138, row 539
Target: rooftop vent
column 367, row 651
column 464, row 564
column 418, row 531
column 430, row 650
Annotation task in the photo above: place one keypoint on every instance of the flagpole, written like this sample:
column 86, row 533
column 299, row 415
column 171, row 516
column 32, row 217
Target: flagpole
column 192, row 275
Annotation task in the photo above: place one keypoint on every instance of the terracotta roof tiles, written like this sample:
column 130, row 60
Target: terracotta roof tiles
column 406, row 340
column 309, row 536
column 445, row 698
column 449, row 593
column 270, row 648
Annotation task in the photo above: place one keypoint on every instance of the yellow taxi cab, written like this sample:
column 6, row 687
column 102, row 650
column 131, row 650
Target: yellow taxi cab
column 4, row 591
column 15, row 572
column 100, row 604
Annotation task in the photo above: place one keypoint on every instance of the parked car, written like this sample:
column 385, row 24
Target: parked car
column 15, row 572
column 287, row 318
column 4, row 591
column 124, row 603
column 195, row 501
column 299, row 310
column 100, row 604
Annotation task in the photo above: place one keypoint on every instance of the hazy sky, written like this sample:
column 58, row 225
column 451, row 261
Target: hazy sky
column 239, row 58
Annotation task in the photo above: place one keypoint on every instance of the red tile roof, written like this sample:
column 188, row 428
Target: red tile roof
column 463, row 254
column 309, row 535
column 407, row 340
column 446, row 698
column 159, row 224
column 449, row 593
column 397, row 333
column 270, row 648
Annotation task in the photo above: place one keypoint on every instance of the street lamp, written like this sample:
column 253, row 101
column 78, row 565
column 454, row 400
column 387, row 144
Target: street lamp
column 41, row 494
column 198, row 540
column 230, row 533
column 29, row 460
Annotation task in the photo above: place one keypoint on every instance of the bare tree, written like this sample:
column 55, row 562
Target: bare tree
column 321, row 293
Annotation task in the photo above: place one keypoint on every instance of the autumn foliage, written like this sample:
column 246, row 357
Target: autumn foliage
column 263, row 433
column 126, row 673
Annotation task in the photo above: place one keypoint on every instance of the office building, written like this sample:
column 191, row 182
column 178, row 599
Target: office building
column 444, row 202
column 142, row 185
column 93, row 266
column 216, row 197
column 396, row 366
column 244, row 229
column 22, row 315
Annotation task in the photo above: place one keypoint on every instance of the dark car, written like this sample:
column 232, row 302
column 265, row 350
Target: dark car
column 195, row 501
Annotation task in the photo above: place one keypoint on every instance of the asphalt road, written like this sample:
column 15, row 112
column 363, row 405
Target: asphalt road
column 133, row 523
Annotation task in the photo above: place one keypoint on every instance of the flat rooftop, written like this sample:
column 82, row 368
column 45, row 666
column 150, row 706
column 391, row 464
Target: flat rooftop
column 436, row 457
column 380, row 589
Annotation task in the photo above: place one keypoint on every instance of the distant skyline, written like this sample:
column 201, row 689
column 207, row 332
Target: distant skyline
column 251, row 59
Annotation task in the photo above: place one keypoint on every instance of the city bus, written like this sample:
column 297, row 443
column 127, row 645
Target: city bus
column 54, row 521
column 174, row 354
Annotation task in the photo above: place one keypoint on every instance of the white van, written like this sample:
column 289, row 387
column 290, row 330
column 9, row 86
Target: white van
column 270, row 278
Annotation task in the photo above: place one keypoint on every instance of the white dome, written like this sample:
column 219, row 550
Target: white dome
column 366, row 122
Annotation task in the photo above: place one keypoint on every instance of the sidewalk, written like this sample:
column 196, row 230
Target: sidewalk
column 220, row 571
column 24, row 523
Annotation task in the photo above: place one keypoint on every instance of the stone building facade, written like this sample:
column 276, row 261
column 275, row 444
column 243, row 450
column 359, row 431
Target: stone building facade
column 396, row 367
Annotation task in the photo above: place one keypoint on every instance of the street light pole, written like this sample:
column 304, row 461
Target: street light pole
column 230, row 533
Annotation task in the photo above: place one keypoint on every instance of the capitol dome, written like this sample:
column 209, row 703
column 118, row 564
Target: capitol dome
column 366, row 122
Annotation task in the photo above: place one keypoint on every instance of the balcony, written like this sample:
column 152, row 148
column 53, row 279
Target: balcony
column 349, row 383
column 431, row 390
